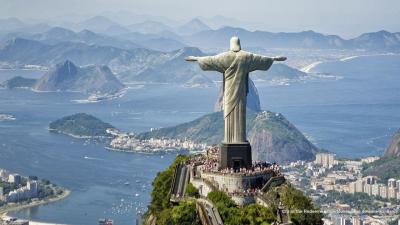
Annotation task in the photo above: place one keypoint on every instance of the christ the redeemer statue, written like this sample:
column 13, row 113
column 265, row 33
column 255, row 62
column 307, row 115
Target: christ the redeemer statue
column 235, row 66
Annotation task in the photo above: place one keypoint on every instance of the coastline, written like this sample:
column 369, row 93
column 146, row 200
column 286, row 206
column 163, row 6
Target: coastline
column 17, row 207
column 78, row 136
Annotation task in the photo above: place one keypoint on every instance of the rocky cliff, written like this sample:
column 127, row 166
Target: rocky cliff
column 88, row 79
column 394, row 146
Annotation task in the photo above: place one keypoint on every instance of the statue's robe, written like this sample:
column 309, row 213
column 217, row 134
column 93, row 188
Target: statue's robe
column 235, row 67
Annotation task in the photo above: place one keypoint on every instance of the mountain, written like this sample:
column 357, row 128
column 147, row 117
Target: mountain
column 11, row 24
column 253, row 99
column 164, row 41
column 96, row 24
column 375, row 41
column 278, row 71
column 381, row 40
column 20, row 51
column 219, row 21
column 57, row 35
column 384, row 168
column 192, row 27
column 89, row 79
column 173, row 70
column 116, row 30
column 149, row 27
column 272, row 137
column 307, row 39
column 387, row 166
column 199, row 81
column 18, row 82
column 131, row 65
column 393, row 150
column 81, row 125
column 162, row 44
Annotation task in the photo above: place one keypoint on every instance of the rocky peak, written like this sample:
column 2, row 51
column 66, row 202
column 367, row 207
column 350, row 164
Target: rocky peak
column 393, row 150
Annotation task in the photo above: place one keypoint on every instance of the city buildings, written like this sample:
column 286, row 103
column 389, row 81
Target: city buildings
column 326, row 160
column 21, row 193
column 320, row 177
column 14, row 178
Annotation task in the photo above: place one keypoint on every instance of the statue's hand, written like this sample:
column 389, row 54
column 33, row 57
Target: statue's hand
column 191, row 58
column 279, row 58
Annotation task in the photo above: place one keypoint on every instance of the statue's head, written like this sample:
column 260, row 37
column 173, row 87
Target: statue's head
column 235, row 44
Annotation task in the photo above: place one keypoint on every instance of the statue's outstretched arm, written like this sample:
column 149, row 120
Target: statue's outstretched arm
column 191, row 58
column 279, row 58
column 210, row 63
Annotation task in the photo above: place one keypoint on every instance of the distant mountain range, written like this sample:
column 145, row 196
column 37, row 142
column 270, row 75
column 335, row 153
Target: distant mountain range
column 199, row 34
column 89, row 79
column 381, row 40
column 130, row 65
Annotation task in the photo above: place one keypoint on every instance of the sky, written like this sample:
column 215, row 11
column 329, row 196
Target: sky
column 347, row 18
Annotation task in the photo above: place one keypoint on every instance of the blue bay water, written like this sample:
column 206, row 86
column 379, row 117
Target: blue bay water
column 352, row 117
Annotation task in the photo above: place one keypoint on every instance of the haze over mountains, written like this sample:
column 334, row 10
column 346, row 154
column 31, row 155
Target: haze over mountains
column 198, row 33
column 130, row 65
column 150, row 51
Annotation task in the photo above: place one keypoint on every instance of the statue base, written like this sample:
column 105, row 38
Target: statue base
column 235, row 155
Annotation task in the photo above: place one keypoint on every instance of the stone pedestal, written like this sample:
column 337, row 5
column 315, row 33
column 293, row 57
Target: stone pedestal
column 235, row 156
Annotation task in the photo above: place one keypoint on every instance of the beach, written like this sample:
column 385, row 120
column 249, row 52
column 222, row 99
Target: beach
column 15, row 207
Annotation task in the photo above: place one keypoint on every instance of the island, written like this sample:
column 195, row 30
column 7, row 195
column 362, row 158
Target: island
column 17, row 192
column 81, row 125
column 18, row 82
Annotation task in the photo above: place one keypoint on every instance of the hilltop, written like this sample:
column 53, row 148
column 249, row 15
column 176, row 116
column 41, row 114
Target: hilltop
column 393, row 149
column 67, row 76
column 81, row 125
column 162, row 211
column 272, row 137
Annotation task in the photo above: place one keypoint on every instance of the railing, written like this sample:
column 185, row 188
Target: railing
column 273, row 181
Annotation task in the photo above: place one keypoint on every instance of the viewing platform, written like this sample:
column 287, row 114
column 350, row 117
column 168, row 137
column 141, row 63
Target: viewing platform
column 243, row 185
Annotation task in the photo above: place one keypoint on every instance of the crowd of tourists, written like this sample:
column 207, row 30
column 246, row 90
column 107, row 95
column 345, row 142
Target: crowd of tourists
column 211, row 164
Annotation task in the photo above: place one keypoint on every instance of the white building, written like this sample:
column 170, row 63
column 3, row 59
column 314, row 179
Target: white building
column 376, row 189
column 383, row 191
column 368, row 189
column 33, row 187
column 4, row 175
column 392, row 183
column 392, row 192
column 326, row 160
column 24, row 193
column 14, row 178
column 360, row 185
column 352, row 187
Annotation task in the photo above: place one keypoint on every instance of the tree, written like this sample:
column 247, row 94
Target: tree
column 185, row 213
column 191, row 191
